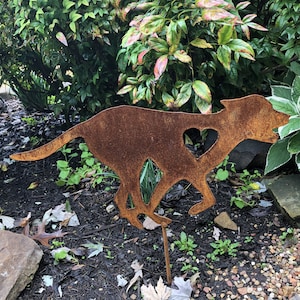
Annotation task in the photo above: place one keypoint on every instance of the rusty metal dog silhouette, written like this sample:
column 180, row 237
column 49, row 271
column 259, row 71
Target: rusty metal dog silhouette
column 124, row 137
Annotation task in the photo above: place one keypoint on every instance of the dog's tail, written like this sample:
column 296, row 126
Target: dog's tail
column 49, row 148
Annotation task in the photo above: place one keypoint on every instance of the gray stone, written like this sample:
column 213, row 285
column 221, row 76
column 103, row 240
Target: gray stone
column 247, row 154
column 223, row 220
column 286, row 191
column 19, row 260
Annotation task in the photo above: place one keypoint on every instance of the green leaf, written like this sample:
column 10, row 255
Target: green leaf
column 184, row 95
column 222, row 174
column 296, row 90
column 202, row 90
column 125, row 89
column 239, row 45
column 203, row 106
column 181, row 23
column 201, row 43
column 225, row 34
column 74, row 16
column 167, row 99
column 283, row 105
column 292, row 126
column 63, row 174
column 224, row 56
column 295, row 67
column 281, row 91
column 73, row 26
column 182, row 56
column 294, row 143
column 173, row 34
column 158, row 45
column 68, row 4
column 278, row 155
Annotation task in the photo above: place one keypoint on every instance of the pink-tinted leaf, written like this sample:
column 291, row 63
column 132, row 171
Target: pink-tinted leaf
column 160, row 66
column 131, row 36
column 242, row 5
column 152, row 24
column 249, row 18
column 215, row 14
column 246, row 31
column 182, row 56
column 132, row 39
column 141, row 56
column 257, row 26
column 61, row 37
column 204, row 107
column 211, row 3
column 247, row 56
column 202, row 90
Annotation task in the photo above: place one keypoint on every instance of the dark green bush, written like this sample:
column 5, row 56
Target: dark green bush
column 60, row 55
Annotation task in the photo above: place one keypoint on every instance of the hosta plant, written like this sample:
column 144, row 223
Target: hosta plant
column 173, row 50
column 286, row 99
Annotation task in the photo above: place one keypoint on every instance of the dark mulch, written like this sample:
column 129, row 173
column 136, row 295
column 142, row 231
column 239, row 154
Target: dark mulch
column 97, row 278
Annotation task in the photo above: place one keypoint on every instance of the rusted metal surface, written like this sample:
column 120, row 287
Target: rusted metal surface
column 124, row 137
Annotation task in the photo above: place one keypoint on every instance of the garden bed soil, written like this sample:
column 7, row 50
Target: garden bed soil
column 256, row 272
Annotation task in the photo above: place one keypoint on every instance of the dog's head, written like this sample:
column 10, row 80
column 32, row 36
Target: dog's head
column 255, row 117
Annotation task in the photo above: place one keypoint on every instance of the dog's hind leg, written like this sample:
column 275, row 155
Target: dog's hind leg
column 208, row 198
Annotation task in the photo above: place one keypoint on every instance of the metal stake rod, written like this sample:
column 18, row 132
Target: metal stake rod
column 166, row 251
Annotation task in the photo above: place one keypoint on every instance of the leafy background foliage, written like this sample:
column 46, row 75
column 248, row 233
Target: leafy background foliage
column 79, row 57
column 61, row 54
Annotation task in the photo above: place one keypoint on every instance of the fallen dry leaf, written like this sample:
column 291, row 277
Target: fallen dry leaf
column 137, row 267
column 6, row 222
column 160, row 292
column 44, row 237
column 182, row 289
column 150, row 224
column 33, row 185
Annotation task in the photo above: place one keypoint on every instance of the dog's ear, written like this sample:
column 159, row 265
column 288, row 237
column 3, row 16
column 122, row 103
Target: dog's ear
column 227, row 103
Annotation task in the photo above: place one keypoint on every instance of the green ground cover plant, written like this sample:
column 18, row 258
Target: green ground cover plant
column 286, row 99
column 223, row 247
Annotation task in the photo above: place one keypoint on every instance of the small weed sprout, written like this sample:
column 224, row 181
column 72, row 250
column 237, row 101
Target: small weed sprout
column 248, row 239
column 186, row 243
column 56, row 244
column 109, row 255
column 222, row 169
column 223, row 247
column 89, row 168
column 188, row 267
column 287, row 235
column 30, row 121
column 245, row 191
